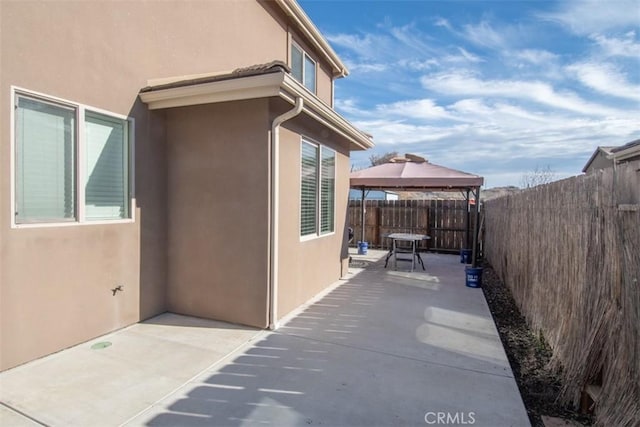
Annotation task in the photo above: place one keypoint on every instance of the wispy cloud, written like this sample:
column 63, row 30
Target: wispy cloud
column 586, row 17
column 463, row 84
column 535, row 56
column 421, row 109
column 484, row 34
column 398, row 48
column 626, row 46
column 364, row 67
column 606, row 79
column 425, row 120
column 441, row 22
column 465, row 56
column 419, row 65
column 366, row 46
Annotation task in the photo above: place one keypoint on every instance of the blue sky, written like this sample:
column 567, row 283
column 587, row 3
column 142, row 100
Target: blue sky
column 497, row 88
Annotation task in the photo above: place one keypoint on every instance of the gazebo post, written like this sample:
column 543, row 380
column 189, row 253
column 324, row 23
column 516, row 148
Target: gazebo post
column 363, row 211
column 475, row 229
column 468, row 224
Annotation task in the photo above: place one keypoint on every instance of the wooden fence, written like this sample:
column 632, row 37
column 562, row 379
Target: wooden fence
column 444, row 220
column 570, row 253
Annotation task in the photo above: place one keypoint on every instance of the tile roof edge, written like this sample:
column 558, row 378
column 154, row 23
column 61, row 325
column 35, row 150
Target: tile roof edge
column 252, row 70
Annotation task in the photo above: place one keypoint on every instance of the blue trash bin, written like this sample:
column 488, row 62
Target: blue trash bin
column 474, row 277
column 465, row 256
column 363, row 247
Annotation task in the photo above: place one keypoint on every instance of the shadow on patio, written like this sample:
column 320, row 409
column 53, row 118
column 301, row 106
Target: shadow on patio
column 384, row 348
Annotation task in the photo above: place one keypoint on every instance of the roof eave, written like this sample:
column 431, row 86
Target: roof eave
column 277, row 84
column 260, row 86
column 307, row 27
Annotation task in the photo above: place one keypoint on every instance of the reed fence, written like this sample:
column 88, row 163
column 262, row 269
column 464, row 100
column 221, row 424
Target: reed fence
column 570, row 253
column 444, row 220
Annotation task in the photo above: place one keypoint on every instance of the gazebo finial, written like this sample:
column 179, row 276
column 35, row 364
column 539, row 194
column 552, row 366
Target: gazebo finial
column 408, row 158
column 415, row 158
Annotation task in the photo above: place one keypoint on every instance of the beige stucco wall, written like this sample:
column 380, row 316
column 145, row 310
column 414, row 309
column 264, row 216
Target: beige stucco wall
column 307, row 267
column 325, row 85
column 218, row 205
column 55, row 282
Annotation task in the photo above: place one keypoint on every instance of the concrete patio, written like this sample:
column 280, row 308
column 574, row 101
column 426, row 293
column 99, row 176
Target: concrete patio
column 382, row 347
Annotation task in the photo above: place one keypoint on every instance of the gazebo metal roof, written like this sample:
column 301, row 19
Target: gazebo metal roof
column 413, row 175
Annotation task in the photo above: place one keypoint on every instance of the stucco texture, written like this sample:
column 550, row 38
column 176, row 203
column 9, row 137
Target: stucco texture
column 308, row 266
column 198, row 241
column 218, row 194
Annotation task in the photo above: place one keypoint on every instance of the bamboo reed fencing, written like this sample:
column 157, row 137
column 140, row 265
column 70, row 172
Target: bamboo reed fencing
column 443, row 220
column 570, row 253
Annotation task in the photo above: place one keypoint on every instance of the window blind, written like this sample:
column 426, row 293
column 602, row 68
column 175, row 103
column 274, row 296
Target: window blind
column 45, row 161
column 106, row 160
column 327, row 190
column 309, row 189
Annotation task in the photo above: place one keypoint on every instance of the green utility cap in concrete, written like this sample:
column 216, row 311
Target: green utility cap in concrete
column 100, row 345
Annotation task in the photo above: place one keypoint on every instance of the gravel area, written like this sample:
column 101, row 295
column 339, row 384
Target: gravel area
column 529, row 356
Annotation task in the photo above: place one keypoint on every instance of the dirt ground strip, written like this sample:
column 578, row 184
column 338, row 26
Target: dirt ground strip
column 529, row 356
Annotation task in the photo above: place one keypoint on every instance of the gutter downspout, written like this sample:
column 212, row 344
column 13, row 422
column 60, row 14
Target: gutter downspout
column 274, row 211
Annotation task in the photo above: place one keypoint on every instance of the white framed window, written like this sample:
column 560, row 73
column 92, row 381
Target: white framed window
column 70, row 163
column 303, row 68
column 317, row 190
column 327, row 190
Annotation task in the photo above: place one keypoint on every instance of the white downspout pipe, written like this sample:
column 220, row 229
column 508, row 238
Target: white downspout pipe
column 274, row 211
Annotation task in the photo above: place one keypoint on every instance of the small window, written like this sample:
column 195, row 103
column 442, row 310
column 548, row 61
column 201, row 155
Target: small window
column 297, row 63
column 309, row 74
column 60, row 165
column 317, row 194
column 303, row 68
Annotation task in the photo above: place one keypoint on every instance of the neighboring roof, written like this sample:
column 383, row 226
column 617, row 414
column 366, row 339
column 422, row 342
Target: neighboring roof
column 257, row 81
column 414, row 175
column 304, row 24
column 605, row 151
column 628, row 151
column 626, row 146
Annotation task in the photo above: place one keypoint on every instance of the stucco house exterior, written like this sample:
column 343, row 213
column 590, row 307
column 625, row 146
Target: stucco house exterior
column 165, row 156
column 605, row 157
column 599, row 160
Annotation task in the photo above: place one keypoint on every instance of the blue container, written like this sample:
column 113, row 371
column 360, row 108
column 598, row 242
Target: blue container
column 465, row 256
column 363, row 247
column 474, row 277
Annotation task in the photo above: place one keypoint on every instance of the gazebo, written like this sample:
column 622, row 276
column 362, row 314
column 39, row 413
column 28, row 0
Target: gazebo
column 414, row 173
